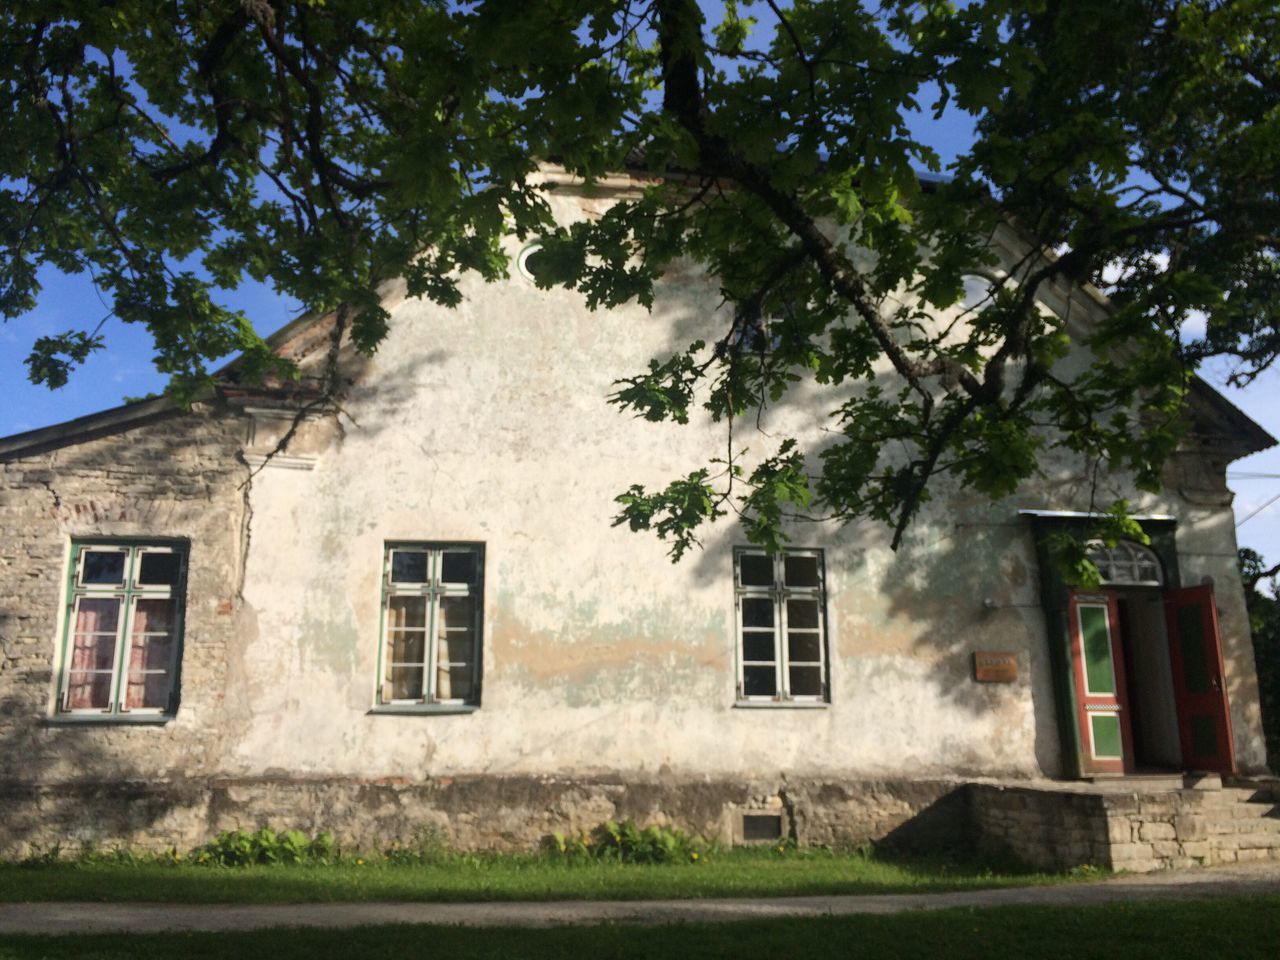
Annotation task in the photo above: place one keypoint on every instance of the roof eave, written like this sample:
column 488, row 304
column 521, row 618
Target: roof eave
column 87, row 427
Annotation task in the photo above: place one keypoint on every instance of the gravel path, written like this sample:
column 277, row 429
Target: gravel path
column 67, row 918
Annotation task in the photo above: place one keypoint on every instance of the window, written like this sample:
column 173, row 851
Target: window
column 782, row 646
column 528, row 260
column 123, row 635
column 431, row 610
column 1126, row 563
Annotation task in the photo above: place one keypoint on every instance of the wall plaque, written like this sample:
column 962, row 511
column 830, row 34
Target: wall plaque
column 993, row 666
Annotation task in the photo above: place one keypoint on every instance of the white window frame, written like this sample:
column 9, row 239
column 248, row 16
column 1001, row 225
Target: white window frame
column 1122, row 565
column 127, row 593
column 778, row 593
column 433, row 590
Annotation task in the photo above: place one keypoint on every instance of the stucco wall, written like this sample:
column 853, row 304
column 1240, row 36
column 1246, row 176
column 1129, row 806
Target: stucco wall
column 488, row 423
column 600, row 658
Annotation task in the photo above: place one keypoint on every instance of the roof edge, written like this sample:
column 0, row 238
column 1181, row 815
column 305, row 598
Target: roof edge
column 1254, row 436
column 69, row 431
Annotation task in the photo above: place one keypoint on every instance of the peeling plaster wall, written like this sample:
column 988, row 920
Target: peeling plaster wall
column 488, row 423
column 600, row 658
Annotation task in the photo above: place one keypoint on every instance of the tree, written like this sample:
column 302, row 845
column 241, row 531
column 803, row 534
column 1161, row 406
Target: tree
column 173, row 148
column 1264, row 623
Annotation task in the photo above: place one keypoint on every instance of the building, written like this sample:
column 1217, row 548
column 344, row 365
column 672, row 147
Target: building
column 416, row 611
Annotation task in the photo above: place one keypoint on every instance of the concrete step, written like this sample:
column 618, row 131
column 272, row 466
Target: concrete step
column 1242, row 825
column 1150, row 783
column 1258, row 788
column 1235, row 796
column 1240, row 810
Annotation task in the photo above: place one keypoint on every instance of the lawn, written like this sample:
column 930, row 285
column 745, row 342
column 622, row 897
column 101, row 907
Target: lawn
column 1241, row 929
column 734, row 873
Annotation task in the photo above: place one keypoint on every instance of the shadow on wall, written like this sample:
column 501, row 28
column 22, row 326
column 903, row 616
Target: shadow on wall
column 108, row 803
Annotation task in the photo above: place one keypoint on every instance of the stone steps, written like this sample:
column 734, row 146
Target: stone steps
column 1242, row 823
column 1139, row 825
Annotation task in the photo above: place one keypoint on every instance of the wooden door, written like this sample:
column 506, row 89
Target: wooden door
column 1195, row 651
column 1097, row 666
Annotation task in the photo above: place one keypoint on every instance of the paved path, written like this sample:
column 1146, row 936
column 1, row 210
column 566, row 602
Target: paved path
column 62, row 918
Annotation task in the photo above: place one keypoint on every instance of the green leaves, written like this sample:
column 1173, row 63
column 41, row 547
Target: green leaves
column 674, row 513
column 53, row 358
column 779, row 489
column 666, row 392
column 174, row 148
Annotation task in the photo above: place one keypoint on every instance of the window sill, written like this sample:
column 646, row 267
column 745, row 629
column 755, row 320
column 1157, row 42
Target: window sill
column 781, row 705
column 108, row 720
column 423, row 709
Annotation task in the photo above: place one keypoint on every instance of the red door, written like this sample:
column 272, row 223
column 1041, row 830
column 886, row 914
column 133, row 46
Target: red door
column 1195, row 649
column 1097, row 666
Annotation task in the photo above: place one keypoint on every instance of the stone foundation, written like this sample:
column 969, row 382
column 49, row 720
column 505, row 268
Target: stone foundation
column 478, row 813
column 1051, row 827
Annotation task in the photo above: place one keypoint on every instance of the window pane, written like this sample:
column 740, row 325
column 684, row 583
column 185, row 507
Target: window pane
column 802, row 614
column 93, row 653
column 455, row 647
column 454, row 683
column 800, row 571
column 759, row 682
column 149, row 673
column 755, row 570
column 405, row 683
column 150, row 654
column 458, row 566
column 406, row 612
column 154, row 616
column 86, row 691
column 98, row 615
column 804, row 647
column 103, row 567
column 409, row 566
column 757, row 612
column 757, row 646
column 806, row 681
column 406, row 646
column 159, row 569
column 148, row 691
column 456, row 613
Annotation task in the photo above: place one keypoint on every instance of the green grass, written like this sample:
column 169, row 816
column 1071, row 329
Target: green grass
column 733, row 873
column 1241, row 929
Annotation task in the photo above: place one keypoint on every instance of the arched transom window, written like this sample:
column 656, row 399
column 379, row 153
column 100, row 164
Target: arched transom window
column 1126, row 563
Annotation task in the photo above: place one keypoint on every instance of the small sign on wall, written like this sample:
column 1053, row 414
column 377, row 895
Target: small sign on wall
column 994, row 666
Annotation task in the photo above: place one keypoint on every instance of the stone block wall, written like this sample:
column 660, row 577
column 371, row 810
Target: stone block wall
column 1137, row 832
column 1157, row 831
column 1044, row 828
column 171, row 476
column 474, row 813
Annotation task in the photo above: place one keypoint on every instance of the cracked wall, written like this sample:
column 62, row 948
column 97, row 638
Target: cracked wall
column 607, row 671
